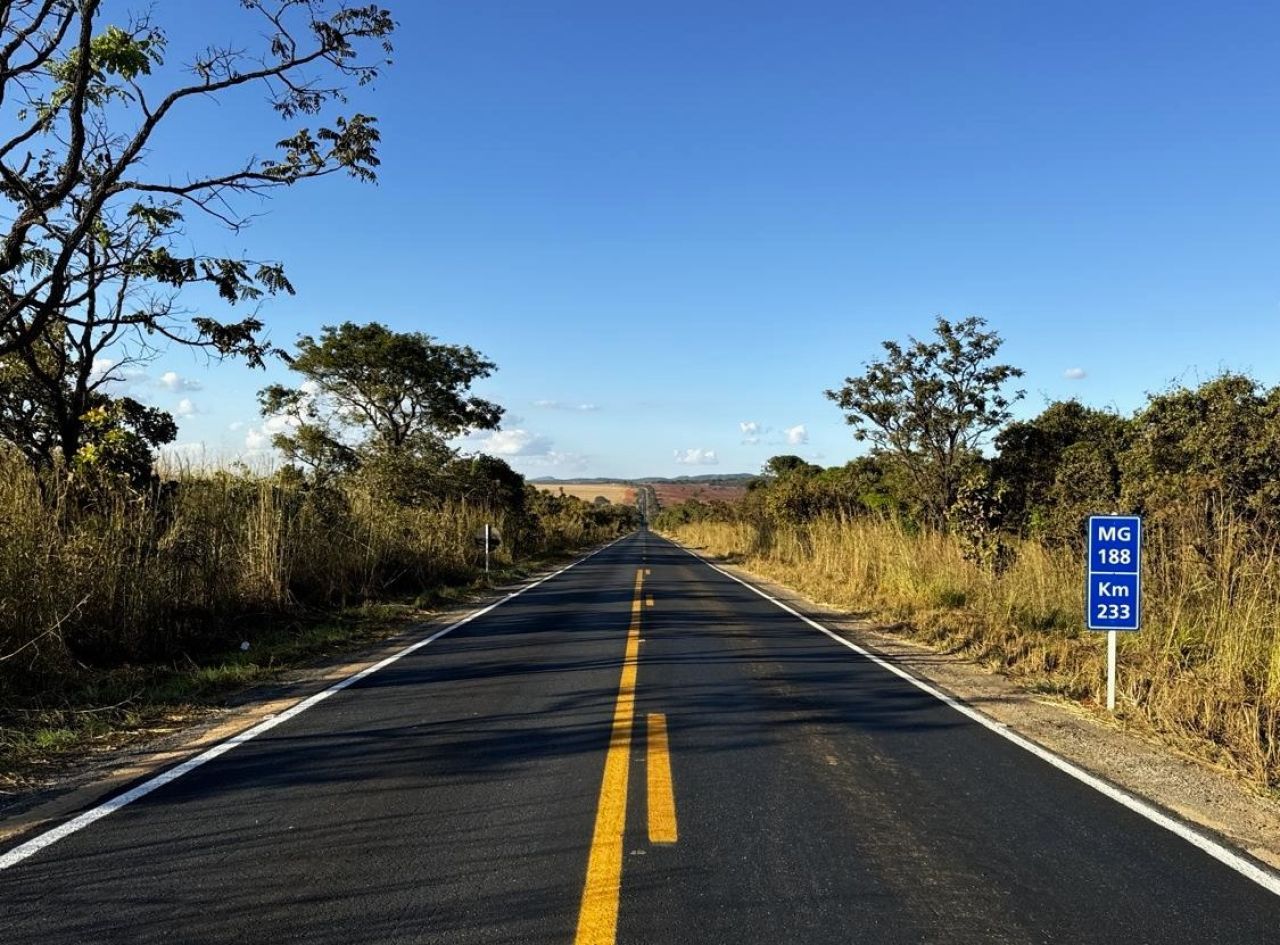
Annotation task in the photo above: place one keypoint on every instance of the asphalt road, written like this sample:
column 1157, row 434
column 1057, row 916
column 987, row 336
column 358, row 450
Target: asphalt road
column 740, row 778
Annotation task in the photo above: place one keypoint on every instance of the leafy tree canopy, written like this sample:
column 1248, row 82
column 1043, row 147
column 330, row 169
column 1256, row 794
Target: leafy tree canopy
column 56, row 409
column 785, row 465
column 95, row 254
column 121, row 436
column 369, row 390
column 931, row 403
column 84, row 102
column 1204, row 451
column 1056, row 464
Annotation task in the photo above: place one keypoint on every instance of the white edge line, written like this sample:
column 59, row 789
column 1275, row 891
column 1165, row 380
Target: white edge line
column 94, row 814
column 1265, row 878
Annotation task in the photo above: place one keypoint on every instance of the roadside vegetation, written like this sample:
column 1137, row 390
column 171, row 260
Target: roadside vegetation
column 123, row 607
column 131, row 594
column 965, row 528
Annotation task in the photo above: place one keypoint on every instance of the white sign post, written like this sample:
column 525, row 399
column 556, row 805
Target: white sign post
column 1111, row 670
column 490, row 538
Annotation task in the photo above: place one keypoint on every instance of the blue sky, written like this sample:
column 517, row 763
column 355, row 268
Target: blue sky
column 669, row 219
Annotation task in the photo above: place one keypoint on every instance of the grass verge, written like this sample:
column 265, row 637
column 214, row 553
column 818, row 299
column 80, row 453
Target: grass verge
column 1204, row 674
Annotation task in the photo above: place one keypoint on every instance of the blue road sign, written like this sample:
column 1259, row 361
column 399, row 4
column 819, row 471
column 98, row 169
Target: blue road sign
column 1114, row 599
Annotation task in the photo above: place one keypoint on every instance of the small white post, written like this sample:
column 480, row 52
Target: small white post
column 486, row 555
column 1111, row 670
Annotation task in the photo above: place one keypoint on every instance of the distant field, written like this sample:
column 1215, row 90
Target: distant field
column 620, row 495
column 671, row 493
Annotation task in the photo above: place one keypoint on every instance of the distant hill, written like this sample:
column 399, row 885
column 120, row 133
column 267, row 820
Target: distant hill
column 713, row 479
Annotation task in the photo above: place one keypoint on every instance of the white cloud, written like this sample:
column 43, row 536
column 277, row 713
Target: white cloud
column 176, row 382
column 119, row 378
column 1075, row 374
column 185, row 408
column 696, row 457
column 560, row 405
column 796, row 435
column 525, row 449
column 566, row 462
column 259, row 438
column 280, row 423
column 515, row 443
column 235, row 425
column 749, row 427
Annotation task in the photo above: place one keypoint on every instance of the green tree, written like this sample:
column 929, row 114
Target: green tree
column 488, row 481
column 779, row 466
column 120, row 437
column 931, row 404
column 976, row 519
column 85, row 103
column 865, row 484
column 436, row 475
column 115, row 318
column 367, row 390
column 1059, row 467
column 1087, row 483
column 1204, row 452
column 55, row 410
column 28, row 421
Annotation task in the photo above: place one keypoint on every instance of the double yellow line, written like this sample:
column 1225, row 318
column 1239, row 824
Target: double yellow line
column 598, row 916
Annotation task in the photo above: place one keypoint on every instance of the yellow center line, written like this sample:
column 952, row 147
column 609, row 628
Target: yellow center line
column 662, row 797
column 598, row 916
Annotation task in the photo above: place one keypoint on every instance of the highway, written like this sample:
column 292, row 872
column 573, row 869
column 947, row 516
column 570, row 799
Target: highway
column 639, row 750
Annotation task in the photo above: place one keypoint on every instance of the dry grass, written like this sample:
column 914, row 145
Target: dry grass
column 1205, row 671
column 125, row 577
column 617, row 494
column 106, row 576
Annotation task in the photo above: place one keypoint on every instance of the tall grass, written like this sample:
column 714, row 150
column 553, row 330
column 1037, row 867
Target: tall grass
column 105, row 576
column 1205, row 669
